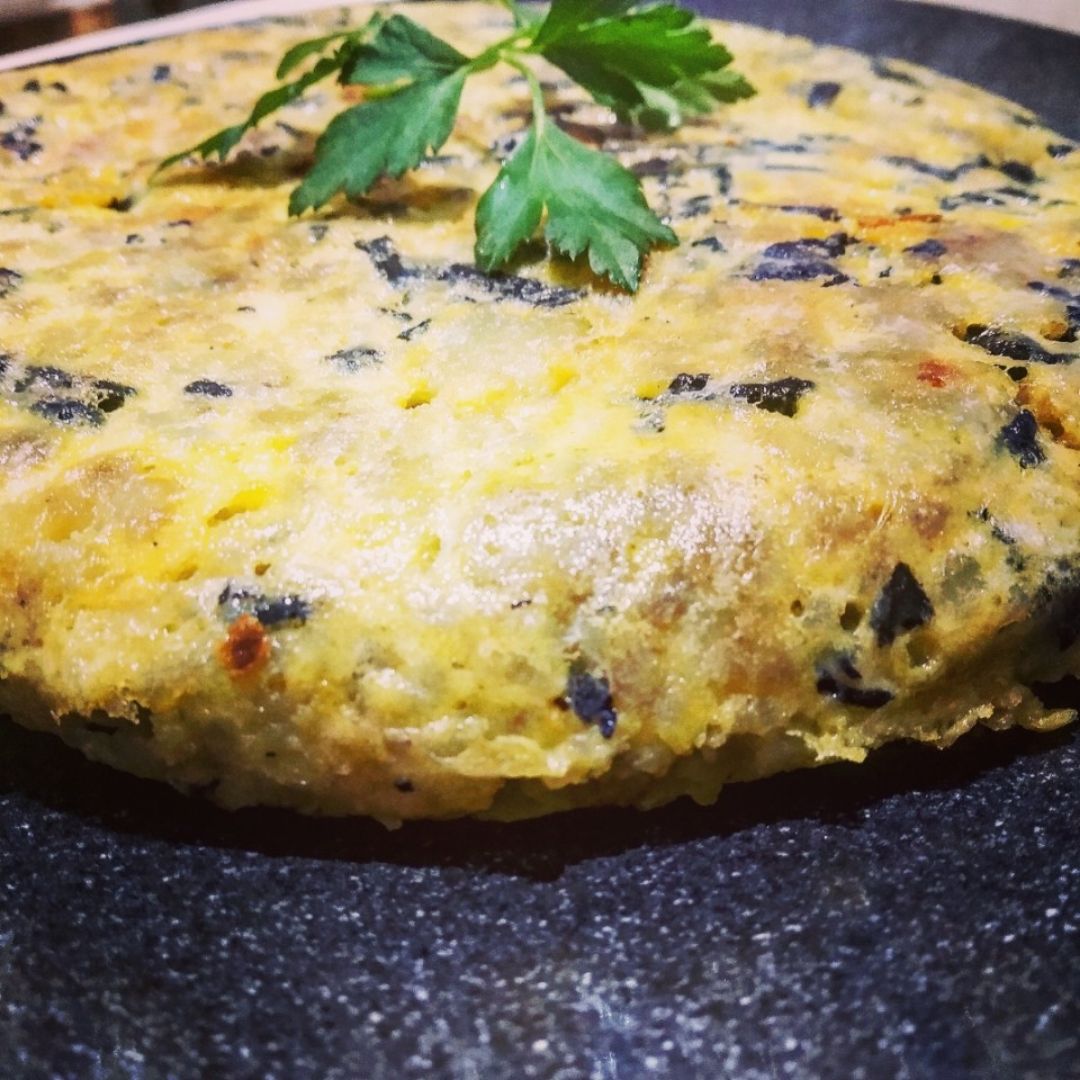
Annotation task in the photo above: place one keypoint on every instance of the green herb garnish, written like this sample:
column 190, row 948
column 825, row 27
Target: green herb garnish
column 653, row 65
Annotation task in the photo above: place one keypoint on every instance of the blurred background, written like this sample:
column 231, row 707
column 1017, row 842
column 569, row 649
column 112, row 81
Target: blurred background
column 26, row 23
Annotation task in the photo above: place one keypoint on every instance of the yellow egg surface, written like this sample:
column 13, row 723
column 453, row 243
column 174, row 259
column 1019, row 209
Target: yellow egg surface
column 311, row 512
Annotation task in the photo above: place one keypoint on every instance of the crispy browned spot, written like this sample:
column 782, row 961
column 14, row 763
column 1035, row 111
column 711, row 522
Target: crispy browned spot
column 246, row 649
column 1057, row 330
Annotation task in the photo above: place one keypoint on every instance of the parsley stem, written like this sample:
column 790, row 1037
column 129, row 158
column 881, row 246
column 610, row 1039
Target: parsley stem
column 539, row 108
column 494, row 53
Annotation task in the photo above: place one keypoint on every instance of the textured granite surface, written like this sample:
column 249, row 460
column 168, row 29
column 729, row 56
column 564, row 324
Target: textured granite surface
column 917, row 917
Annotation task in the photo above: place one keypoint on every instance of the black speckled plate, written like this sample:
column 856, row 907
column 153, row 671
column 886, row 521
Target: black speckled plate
column 917, row 916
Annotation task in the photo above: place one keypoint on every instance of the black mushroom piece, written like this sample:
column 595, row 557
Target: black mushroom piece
column 68, row 412
column 1018, row 171
column 44, row 376
column 781, row 396
column 884, row 70
column 927, row 249
column 902, row 605
column 694, row 207
column 803, row 270
column 1020, row 436
column 84, row 400
column 939, row 172
column 271, row 611
column 998, row 342
column 507, row 286
column 21, row 141
column 1001, row 196
column 208, row 388
column 1060, row 150
column 386, row 260
column 685, row 383
column 823, row 94
column 590, row 698
column 390, row 265
column 10, row 280
column 833, row 246
column 825, row 213
column 836, row 678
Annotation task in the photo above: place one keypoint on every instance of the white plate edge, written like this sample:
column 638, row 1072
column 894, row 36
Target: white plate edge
column 213, row 15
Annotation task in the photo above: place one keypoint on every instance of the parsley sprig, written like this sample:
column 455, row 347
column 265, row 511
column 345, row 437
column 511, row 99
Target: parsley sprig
column 653, row 65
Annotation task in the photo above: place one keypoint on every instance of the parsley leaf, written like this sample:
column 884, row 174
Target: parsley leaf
column 299, row 53
column 223, row 141
column 654, row 65
column 592, row 204
column 384, row 137
column 403, row 49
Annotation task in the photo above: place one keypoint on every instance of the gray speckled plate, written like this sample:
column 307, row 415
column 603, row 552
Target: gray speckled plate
column 917, row 916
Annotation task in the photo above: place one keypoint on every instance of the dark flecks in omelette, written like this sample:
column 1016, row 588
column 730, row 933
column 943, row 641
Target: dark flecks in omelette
column 823, row 94
column 208, row 388
column 271, row 611
column 949, row 174
column 901, row 606
column 10, row 280
column 416, row 330
column 803, row 270
column 20, row 139
column 996, row 197
column 697, row 206
column 811, row 248
column 68, row 412
column 37, row 376
column 1020, row 437
column 838, row 677
column 394, row 269
column 355, row 358
column 590, row 698
column 998, row 342
column 64, row 398
column 108, row 395
column 884, row 70
column 927, row 249
column 781, row 396
column 1018, row 171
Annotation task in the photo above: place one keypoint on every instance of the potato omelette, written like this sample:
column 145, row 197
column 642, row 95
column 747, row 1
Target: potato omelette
column 311, row 512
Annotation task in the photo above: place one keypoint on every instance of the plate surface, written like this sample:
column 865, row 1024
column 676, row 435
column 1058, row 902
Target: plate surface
column 917, row 916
